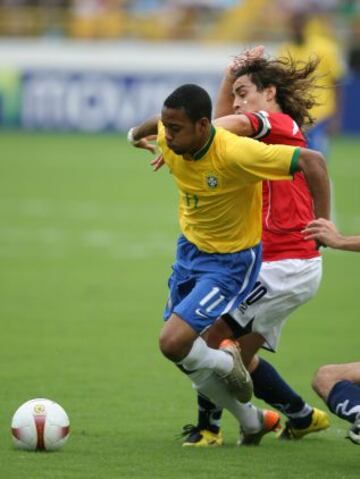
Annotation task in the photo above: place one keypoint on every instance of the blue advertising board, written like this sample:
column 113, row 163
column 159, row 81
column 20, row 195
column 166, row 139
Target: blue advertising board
column 94, row 102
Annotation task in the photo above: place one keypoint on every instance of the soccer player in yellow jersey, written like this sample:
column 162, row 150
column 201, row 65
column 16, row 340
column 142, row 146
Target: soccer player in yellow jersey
column 218, row 175
column 304, row 46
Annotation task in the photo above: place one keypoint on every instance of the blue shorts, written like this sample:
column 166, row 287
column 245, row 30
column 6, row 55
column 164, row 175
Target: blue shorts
column 203, row 286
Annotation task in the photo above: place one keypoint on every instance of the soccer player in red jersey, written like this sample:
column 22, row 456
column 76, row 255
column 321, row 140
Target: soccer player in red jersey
column 271, row 101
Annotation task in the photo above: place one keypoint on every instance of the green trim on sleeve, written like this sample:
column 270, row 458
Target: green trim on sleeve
column 294, row 161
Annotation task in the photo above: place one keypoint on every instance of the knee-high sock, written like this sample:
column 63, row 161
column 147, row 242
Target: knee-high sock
column 201, row 357
column 211, row 386
column 344, row 400
column 271, row 388
column 209, row 415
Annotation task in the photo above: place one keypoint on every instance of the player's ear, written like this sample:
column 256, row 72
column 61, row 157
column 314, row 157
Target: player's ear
column 204, row 123
column 270, row 92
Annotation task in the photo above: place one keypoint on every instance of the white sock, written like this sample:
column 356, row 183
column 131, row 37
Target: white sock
column 201, row 357
column 305, row 411
column 211, row 386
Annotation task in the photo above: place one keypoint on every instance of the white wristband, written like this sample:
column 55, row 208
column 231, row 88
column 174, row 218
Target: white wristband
column 130, row 137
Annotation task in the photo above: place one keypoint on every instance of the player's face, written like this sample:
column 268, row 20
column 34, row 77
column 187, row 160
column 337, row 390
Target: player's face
column 247, row 97
column 181, row 134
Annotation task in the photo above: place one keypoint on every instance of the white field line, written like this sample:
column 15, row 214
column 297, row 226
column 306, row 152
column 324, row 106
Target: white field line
column 44, row 240
column 78, row 210
column 71, row 210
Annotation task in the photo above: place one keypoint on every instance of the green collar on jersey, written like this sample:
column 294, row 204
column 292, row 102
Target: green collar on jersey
column 202, row 152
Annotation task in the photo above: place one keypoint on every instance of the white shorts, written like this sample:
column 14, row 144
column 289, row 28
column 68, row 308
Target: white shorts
column 281, row 288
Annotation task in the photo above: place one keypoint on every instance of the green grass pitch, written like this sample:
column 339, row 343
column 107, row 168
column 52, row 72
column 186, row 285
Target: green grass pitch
column 87, row 236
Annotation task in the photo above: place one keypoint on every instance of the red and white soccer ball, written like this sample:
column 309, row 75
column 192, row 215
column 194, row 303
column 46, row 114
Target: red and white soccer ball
column 40, row 425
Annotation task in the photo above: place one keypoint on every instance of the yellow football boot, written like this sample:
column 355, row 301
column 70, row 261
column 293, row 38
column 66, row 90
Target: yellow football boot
column 197, row 437
column 319, row 422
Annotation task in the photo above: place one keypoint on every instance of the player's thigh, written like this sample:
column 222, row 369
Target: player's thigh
column 180, row 284
column 205, row 303
column 250, row 344
column 219, row 331
column 282, row 287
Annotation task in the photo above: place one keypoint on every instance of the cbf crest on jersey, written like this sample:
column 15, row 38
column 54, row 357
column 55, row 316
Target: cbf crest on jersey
column 212, row 181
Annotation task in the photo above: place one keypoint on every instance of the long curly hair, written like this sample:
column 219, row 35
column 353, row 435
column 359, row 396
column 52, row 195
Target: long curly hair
column 295, row 81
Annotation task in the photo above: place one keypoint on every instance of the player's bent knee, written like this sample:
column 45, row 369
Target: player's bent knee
column 323, row 380
column 167, row 347
column 172, row 348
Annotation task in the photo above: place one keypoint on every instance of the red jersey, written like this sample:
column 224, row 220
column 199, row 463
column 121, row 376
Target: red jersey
column 287, row 205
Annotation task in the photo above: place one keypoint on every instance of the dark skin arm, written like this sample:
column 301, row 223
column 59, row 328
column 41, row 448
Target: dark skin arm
column 310, row 162
column 144, row 132
column 313, row 166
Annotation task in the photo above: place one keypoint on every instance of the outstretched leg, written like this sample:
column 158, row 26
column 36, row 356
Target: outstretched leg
column 339, row 386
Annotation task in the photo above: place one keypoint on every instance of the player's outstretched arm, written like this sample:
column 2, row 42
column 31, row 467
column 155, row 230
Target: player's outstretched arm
column 238, row 124
column 224, row 103
column 313, row 165
column 326, row 232
column 140, row 135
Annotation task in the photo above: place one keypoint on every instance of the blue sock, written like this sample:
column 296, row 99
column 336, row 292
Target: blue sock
column 344, row 400
column 209, row 415
column 271, row 388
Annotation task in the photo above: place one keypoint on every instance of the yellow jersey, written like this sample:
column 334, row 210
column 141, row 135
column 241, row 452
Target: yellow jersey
column 221, row 189
column 330, row 70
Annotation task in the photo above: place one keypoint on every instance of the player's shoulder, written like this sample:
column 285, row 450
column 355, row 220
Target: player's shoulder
column 265, row 122
column 280, row 120
column 225, row 135
column 229, row 145
column 280, row 128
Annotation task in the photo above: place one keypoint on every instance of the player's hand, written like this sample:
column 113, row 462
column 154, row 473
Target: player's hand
column 245, row 56
column 145, row 144
column 157, row 163
column 323, row 231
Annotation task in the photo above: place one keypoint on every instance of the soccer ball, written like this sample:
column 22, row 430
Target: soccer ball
column 40, row 425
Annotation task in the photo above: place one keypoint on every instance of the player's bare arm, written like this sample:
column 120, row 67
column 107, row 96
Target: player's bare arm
column 238, row 124
column 326, row 232
column 224, row 104
column 313, row 166
column 141, row 135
